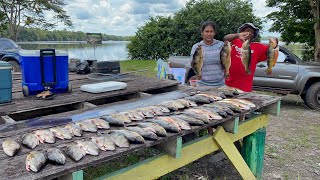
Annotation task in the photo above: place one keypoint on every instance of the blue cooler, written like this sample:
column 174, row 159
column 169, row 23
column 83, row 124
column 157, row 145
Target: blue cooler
column 5, row 82
column 44, row 69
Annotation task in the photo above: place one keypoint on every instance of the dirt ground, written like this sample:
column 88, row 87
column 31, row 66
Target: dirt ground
column 292, row 148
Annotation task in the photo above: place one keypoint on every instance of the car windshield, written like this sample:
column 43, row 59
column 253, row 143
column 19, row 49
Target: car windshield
column 8, row 44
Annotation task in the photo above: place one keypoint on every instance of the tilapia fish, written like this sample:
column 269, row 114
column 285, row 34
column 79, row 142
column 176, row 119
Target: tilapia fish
column 187, row 103
column 234, row 90
column 35, row 161
column 184, row 125
column 75, row 152
column 146, row 111
column 226, row 57
column 74, row 129
column 215, row 110
column 198, row 99
column 133, row 137
column 167, row 124
column 229, row 105
column 103, row 143
column 134, row 115
column 210, row 97
column 89, row 147
column 87, row 125
column 273, row 53
column 197, row 62
column 113, row 120
column 30, row 140
column 190, row 120
column 118, row 139
column 45, row 135
column 219, row 108
column 246, row 56
column 55, row 155
column 61, row 133
column 172, row 104
column 242, row 106
column 147, row 133
column 100, row 123
column 246, row 102
column 10, row 147
column 160, row 131
column 163, row 108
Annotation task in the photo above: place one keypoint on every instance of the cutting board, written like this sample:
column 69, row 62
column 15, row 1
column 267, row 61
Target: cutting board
column 103, row 87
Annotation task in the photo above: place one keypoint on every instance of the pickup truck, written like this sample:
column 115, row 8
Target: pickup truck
column 290, row 75
column 9, row 52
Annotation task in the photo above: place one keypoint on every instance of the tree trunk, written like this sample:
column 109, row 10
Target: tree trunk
column 315, row 8
column 317, row 43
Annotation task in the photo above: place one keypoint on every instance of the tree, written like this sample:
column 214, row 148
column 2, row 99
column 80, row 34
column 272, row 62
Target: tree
column 2, row 22
column 30, row 13
column 162, row 36
column 298, row 22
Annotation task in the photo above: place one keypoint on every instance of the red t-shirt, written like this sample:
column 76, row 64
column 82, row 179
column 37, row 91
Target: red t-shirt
column 238, row 77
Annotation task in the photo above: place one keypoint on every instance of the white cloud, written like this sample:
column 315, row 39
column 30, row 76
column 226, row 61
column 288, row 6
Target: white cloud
column 124, row 17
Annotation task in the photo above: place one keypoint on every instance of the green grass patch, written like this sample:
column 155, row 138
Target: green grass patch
column 118, row 163
column 134, row 65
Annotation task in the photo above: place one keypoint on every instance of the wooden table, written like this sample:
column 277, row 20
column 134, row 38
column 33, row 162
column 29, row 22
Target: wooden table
column 227, row 131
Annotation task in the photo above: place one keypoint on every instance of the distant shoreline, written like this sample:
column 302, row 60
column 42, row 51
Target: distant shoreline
column 68, row 42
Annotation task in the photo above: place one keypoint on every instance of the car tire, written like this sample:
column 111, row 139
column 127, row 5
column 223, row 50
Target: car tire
column 15, row 66
column 312, row 99
column 303, row 97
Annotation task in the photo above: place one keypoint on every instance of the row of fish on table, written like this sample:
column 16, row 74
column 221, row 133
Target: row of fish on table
column 133, row 126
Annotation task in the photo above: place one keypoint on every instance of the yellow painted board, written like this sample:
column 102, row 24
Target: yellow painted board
column 227, row 146
column 158, row 166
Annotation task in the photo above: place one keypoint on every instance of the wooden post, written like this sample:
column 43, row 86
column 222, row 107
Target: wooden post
column 253, row 151
column 226, row 145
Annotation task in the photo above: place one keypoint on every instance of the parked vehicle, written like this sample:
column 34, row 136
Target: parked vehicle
column 9, row 52
column 290, row 75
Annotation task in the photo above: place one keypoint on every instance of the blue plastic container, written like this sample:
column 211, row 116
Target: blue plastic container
column 42, row 69
column 5, row 82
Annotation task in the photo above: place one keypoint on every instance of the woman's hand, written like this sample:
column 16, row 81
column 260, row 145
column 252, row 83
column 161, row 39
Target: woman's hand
column 244, row 36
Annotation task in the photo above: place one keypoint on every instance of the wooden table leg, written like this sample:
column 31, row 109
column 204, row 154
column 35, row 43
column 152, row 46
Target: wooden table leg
column 253, row 151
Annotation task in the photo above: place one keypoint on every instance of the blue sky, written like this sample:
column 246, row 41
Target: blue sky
column 124, row 17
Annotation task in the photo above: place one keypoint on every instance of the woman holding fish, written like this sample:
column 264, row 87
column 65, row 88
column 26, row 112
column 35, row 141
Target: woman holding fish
column 205, row 54
column 245, row 55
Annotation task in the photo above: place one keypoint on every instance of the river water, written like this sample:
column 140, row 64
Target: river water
column 107, row 51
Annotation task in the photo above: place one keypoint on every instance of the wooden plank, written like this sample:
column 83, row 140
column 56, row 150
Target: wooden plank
column 164, row 163
column 273, row 109
column 8, row 119
column 172, row 147
column 28, row 104
column 253, row 151
column 227, row 146
column 14, row 167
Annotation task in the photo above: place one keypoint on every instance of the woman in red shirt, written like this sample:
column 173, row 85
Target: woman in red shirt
column 239, row 78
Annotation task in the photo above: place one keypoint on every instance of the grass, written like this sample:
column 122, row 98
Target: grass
column 134, row 65
column 118, row 163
